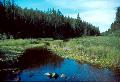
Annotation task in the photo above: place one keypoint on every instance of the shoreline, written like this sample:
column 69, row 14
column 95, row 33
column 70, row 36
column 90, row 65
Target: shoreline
column 98, row 51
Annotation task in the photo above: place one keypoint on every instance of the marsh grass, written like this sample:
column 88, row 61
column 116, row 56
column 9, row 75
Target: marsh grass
column 101, row 50
column 14, row 48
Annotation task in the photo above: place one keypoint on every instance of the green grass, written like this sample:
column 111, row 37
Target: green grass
column 103, row 51
column 14, row 48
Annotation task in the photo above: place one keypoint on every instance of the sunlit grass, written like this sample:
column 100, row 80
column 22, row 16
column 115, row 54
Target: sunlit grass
column 103, row 50
column 14, row 48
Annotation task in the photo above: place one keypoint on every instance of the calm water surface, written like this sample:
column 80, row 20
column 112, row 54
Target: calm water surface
column 73, row 70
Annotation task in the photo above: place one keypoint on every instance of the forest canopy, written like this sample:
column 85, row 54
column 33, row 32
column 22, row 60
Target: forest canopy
column 29, row 23
column 116, row 24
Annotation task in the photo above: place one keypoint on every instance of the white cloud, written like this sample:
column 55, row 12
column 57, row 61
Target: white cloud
column 78, row 4
column 100, row 13
column 99, row 18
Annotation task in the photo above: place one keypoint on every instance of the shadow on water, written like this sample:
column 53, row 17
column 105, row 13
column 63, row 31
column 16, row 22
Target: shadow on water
column 35, row 62
column 31, row 58
column 5, row 59
column 37, row 57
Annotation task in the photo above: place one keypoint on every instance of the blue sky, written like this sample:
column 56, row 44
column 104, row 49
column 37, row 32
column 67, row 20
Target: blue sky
column 100, row 13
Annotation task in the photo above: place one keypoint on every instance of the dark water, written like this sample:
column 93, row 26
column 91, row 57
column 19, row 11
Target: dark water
column 70, row 68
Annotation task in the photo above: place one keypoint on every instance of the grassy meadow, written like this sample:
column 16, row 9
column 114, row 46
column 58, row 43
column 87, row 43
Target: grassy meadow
column 103, row 51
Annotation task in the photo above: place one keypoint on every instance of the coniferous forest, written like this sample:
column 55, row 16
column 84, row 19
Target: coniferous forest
column 116, row 24
column 29, row 23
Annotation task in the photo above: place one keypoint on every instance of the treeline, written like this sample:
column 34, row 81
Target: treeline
column 116, row 24
column 29, row 23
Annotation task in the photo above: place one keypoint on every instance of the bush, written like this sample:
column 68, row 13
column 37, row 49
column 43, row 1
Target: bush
column 5, row 36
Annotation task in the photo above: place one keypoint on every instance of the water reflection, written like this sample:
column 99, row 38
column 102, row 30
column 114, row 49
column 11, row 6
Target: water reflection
column 90, row 73
column 35, row 62
column 31, row 59
column 73, row 72
column 37, row 57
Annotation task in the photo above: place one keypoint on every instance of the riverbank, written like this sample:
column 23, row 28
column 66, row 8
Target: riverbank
column 103, row 51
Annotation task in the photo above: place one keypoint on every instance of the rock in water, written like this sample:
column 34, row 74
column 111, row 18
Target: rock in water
column 52, row 75
column 47, row 73
column 55, row 75
column 63, row 76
